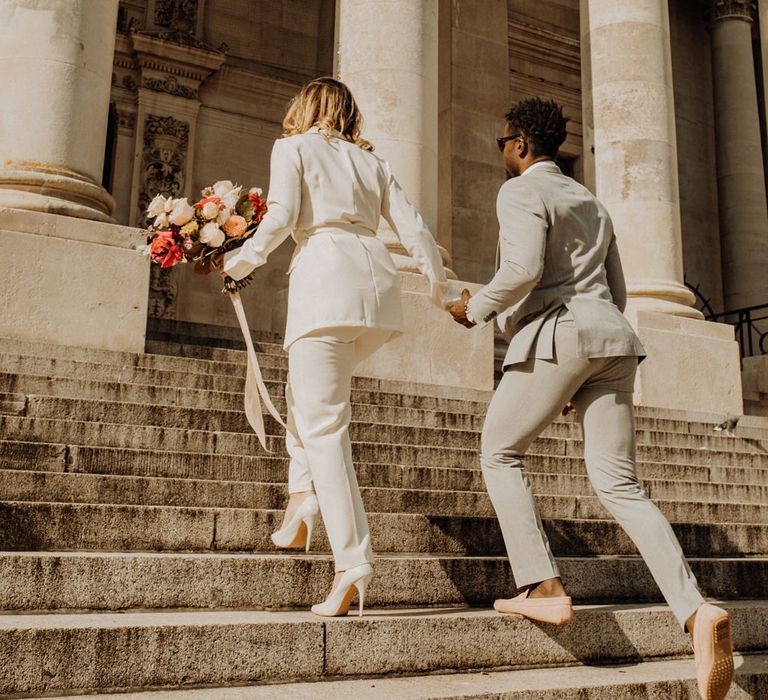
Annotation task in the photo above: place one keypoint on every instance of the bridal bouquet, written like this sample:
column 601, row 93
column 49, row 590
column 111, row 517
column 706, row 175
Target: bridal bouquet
column 222, row 220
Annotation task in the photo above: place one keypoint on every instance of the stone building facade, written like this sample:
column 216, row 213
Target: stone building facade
column 667, row 126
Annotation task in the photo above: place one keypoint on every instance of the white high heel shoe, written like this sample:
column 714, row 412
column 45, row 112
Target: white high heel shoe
column 338, row 602
column 292, row 534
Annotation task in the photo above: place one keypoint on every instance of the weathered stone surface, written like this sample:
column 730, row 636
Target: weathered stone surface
column 45, row 526
column 655, row 680
column 119, row 580
column 133, row 482
column 63, row 652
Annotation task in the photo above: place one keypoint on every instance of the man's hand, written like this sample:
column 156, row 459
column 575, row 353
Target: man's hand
column 459, row 311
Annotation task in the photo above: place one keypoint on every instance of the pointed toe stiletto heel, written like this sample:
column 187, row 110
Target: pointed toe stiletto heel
column 338, row 602
column 297, row 532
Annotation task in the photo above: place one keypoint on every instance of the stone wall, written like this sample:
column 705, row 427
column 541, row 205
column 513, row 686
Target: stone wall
column 217, row 123
column 694, row 121
column 472, row 103
column 544, row 61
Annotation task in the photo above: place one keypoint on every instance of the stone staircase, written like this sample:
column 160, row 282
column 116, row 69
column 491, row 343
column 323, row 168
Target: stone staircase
column 136, row 507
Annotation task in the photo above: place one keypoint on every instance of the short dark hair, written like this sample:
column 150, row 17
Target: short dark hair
column 542, row 124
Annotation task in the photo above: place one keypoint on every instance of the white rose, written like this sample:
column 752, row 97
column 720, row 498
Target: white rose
column 212, row 235
column 256, row 190
column 230, row 198
column 210, row 210
column 157, row 205
column 182, row 212
column 161, row 221
column 223, row 216
column 222, row 187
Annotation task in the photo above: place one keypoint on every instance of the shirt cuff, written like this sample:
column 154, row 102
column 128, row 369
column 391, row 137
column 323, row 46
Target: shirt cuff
column 444, row 294
column 239, row 263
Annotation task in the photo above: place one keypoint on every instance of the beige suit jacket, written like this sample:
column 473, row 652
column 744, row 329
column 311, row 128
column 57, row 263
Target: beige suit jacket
column 330, row 195
column 557, row 250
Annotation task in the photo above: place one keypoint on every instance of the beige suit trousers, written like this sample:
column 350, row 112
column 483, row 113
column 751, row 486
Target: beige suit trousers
column 529, row 397
column 320, row 367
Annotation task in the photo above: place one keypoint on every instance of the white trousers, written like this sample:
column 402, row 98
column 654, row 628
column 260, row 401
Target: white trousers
column 320, row 367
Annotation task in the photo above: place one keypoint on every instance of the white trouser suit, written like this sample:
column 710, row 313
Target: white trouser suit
column 343, row 304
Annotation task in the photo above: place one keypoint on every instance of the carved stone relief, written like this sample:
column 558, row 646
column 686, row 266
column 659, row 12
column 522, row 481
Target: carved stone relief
column 163, row 290
column 131, row 16
column 736, row 9
column 171, row 86
column 162, row 159
column 177, row 15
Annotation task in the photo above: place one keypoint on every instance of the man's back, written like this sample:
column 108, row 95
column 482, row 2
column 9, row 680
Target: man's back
column 578, row 265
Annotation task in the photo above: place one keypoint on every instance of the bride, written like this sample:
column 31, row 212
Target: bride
column 329, row 190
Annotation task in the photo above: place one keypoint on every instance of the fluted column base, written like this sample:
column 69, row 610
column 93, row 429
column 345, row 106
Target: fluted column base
column 54, row 190
column 664, row 297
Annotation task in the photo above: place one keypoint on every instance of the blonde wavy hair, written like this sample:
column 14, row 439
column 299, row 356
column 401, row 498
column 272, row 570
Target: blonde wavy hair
column 328, row 104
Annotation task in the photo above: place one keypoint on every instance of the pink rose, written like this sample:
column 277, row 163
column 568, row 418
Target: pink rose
column 235, row 226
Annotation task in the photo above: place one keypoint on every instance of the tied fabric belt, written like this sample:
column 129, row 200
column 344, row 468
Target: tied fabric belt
column 255, row 389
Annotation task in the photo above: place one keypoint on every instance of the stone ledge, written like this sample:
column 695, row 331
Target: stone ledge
column 70, row 228
column 651, row 679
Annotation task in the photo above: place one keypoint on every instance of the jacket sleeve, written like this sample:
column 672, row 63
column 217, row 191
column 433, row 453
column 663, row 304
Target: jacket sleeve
column 615, row 275
column 413, row 233
column 283, row 203
column 523, row 226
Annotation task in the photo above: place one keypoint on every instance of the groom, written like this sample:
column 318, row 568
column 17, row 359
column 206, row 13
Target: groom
column 558, row 296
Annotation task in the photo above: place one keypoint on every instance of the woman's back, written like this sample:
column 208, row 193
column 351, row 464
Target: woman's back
column 341, row 183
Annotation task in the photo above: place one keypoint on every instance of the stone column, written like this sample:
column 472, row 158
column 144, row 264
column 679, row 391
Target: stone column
column 387, row 53
column 762, row 8
column 72, row 278
column 692, row 364
column 57, row 68
column 635, row 148
column 587, row 117
column 740, row 173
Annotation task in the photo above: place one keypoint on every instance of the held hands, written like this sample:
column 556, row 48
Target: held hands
column 459, row 310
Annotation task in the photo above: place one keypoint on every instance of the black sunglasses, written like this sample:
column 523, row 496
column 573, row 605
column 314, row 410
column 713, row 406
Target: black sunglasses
column 502, row 140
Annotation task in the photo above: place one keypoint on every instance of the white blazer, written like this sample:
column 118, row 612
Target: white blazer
column 329, row 194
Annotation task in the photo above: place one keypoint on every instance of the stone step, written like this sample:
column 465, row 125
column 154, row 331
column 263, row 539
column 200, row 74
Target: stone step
column 367, row 407
column 122, row 580
column 458, row 398
column 371, row 443
column 202, row 373
column 37, row 486
column 657, row 680
column 208, row 490
column 40, row 526
column 564, row 475
column 87, row 651
column 409, row 426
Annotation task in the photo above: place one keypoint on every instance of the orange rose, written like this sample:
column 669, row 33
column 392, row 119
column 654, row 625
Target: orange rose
column 235, row 226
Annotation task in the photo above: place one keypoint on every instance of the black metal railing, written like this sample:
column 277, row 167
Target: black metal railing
column 752, row 340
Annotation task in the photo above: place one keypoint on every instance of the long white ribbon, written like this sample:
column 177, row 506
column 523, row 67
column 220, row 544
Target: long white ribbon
column 253, row 410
